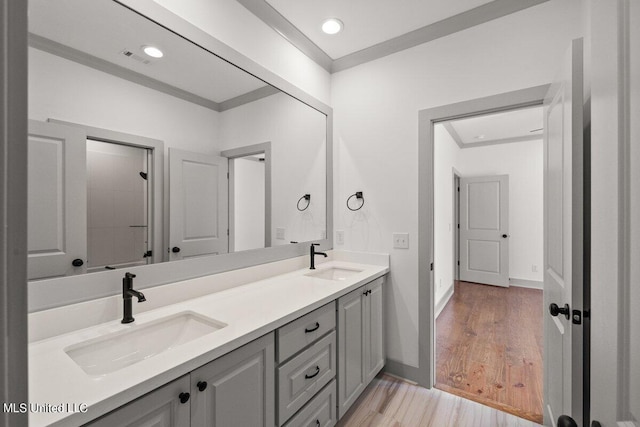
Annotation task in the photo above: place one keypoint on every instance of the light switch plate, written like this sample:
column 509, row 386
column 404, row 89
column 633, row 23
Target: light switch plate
column 401, row 240
column 279, row 233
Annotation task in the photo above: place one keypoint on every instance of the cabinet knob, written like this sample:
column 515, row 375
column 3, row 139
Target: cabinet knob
column 184, row 397
column 202, row 385
column 77, row 262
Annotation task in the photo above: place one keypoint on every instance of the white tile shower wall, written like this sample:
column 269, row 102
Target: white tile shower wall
column 376, row 131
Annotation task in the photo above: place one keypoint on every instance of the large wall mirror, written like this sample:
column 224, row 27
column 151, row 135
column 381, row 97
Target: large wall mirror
column 145, row 147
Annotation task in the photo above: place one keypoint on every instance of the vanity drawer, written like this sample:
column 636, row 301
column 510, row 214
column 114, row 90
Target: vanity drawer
column 305, row 375
column 296, row 335
column 320, row 411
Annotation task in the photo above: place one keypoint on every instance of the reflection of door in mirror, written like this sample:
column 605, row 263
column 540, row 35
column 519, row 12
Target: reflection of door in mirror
column 247, row 203
column 56, row 213
column 198, row 205
column 249, row 197
column 118, row 213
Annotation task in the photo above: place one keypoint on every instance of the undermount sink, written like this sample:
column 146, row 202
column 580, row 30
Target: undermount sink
column 334, row 273
column 109, row 353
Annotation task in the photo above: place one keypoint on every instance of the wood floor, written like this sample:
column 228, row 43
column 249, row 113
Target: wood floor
column 392, row 402
column 489, row 348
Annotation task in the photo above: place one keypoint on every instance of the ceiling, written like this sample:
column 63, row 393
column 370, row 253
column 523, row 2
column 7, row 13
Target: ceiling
column 104, row 29
column 510, row 126
column 366, row 22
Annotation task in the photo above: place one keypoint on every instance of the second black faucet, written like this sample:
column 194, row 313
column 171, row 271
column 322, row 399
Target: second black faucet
column 313, row 253
column 127, row 293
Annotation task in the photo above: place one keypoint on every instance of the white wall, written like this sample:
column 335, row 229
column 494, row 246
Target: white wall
column 232, row 24
column 376, row 131
column 66, row 90
column 297, row 135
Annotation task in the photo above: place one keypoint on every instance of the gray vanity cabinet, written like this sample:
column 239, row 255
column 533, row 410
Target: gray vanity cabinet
column 237, row 389
column 360, row 341
column 165, row 406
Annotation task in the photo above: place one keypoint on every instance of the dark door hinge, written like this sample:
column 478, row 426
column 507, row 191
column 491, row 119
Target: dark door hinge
column 431, row 266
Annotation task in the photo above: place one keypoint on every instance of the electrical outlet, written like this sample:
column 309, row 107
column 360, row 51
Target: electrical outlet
column 534, row 268
column 340, row 237
column 279, row 233
column 401, row 240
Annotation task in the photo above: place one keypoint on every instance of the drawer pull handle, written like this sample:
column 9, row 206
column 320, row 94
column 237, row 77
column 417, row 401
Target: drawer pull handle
column 315, row 328
column 308, row 377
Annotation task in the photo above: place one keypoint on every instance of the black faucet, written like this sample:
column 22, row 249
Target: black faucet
column 127, row 293
column 313, row 253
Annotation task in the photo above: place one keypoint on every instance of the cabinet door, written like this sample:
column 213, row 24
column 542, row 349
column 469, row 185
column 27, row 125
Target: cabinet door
column 351, row 349
column 237, row 389
column 374, row 356
column 159, row 408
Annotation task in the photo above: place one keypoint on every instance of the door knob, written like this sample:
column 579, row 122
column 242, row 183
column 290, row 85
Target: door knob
column 504, row 236
column 554, row 309
column 566, row 421
column 77, row 262
column 175, row 249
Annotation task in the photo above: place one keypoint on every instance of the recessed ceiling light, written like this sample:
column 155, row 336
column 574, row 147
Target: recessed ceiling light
column 480, row 137
column 332, row 26
column 152, row 51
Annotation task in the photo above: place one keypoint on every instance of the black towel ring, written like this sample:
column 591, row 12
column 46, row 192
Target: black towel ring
column 306, row 197
column 359, row 196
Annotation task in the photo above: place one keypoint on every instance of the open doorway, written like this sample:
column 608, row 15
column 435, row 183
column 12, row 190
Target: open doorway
column 488, row 253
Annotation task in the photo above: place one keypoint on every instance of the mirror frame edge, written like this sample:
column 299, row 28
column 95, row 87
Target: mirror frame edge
column 51, row 293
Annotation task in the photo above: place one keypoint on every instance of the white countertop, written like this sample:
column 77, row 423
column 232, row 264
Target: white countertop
column 249, row 310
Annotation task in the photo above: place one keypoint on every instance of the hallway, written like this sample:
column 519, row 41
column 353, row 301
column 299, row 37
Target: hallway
column 489, row 348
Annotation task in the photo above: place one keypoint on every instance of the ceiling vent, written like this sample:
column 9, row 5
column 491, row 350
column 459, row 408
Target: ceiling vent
column 132, row 55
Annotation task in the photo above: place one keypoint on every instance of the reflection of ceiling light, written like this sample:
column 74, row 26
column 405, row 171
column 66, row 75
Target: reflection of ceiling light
column 332, row 26
column 152, row 51
column 480, row 137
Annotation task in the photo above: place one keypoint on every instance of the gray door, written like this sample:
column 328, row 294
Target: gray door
column 484, row 230
column 563, row 242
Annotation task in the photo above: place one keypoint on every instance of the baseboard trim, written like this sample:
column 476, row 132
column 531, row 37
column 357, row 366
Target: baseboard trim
column 400, row 370
column 524, row 283
column 444, row 301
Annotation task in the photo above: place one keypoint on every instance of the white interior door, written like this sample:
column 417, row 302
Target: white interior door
column 484, row 230
column 57, row 200
column 563, row 259
column 615, row 284
column 198, row 205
